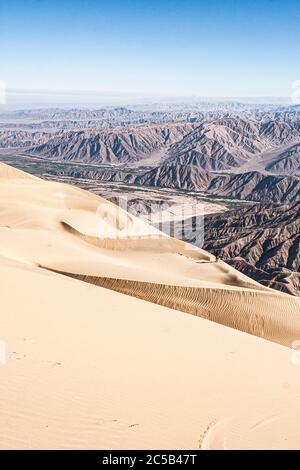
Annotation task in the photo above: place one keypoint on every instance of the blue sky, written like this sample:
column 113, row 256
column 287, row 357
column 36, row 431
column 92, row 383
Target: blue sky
column 180, row 47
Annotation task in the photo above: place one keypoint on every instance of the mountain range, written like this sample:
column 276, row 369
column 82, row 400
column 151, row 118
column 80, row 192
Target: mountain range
column 252, row 157
column 218, row 145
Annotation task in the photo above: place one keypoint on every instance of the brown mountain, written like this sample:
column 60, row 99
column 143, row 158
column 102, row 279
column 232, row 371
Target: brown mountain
column 19, row 138
column 280, row 132
column 262, row 241
column 287, row 162
column 255, row 186
column 221, row 144
column 121, row 145
column 176, row 176
column 230, row 142
column 250, row 186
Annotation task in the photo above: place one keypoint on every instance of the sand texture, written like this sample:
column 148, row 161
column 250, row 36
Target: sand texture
column 119, row 337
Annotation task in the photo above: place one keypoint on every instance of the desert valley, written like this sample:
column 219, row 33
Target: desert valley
column 229, row 158
column 118, row 335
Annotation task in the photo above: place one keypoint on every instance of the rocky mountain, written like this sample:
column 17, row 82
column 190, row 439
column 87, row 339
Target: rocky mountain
column 262, row 241
column 218, row 145
column 255, row 186
column 222, row 144
column 250, row 186
column 279, row 132
column 176, row 176
column 254, row 156
column 230, row 142
column 20, row 138
column 288, row 162
column 121, row 145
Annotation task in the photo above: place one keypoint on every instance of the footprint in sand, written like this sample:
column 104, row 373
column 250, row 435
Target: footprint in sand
column 233, row 433
column 16, row 356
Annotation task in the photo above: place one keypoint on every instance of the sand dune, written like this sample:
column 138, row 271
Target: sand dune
column 73, row 232
column 232, row 308
column 99, row 369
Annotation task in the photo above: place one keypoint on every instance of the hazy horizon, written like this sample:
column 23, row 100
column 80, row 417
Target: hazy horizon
column 30, row 99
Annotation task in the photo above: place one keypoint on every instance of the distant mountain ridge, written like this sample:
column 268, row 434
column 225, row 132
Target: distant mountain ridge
column 121, row 145
column 217, row 145
column 22, row 138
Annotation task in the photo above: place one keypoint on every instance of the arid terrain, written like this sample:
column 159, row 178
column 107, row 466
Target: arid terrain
column 149, row 231
column 226, row 157
column 118, row 336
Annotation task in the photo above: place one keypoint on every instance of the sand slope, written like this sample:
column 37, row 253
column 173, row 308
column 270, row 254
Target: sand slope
column 71, row 231
column 89, row 367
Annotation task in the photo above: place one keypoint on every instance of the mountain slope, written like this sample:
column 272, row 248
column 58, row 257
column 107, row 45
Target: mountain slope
column 250, row 186
column 20, row 138
column 254, row 186
column 189, row 177
column 230, row 142
column 219, row 144
column 287, row 163
column 266, row 237
column 121, row 145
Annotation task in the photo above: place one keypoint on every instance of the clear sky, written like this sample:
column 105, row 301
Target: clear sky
column 181, row 47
